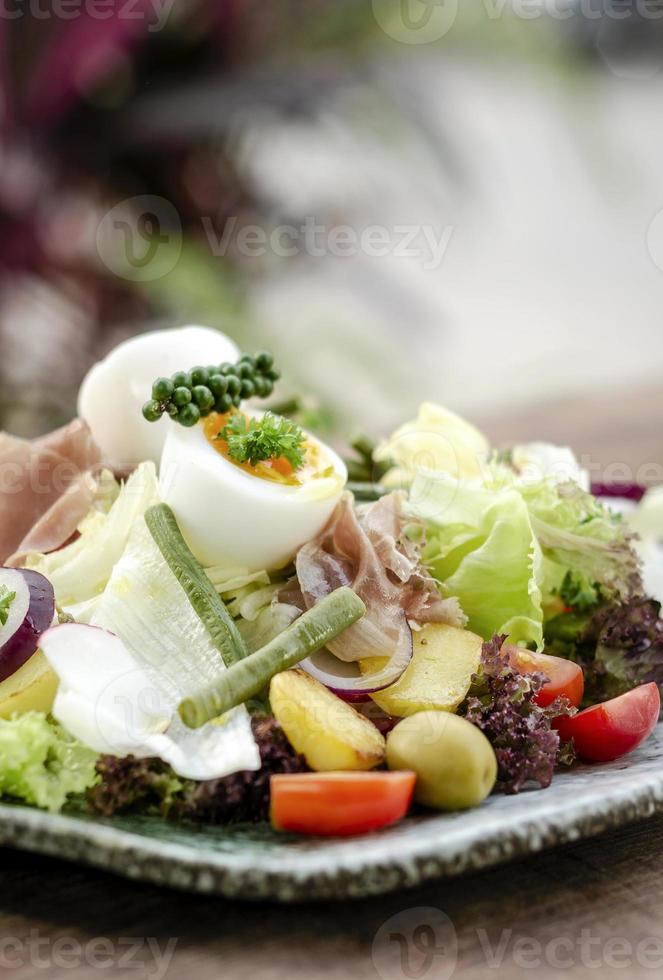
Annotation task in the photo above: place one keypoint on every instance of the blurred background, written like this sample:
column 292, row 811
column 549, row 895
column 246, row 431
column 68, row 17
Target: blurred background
column 402, row 198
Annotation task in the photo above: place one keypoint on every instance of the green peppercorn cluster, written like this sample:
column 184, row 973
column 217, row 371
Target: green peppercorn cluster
column 189, row 396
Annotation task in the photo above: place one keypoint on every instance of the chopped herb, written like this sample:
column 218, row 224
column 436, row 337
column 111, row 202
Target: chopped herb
column 270, row 437
column 6, row 599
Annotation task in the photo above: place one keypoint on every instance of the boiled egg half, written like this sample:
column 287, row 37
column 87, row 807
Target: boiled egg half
column 115, row 390
column 235, row 514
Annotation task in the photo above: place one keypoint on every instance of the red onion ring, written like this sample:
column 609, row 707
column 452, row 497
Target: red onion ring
column 359, row 689
column 34, row 612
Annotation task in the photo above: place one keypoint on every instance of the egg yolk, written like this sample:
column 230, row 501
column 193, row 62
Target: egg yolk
column 277, row 470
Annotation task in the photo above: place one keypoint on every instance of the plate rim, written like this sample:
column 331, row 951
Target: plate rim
column 339, row 869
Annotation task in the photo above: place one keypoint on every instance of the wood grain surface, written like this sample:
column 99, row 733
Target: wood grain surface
column 592, row 909
column 509, row 922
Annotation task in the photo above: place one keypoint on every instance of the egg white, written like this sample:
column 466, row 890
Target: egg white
column 230, row 517
column 113, row 393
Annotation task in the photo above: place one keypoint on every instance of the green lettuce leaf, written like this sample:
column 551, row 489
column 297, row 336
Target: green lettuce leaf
column 483, row 550
column 577, row 533
column 40, row 764
column 509, row 549
column 80, row 572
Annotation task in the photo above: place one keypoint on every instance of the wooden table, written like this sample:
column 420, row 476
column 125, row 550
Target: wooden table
column 593, row 909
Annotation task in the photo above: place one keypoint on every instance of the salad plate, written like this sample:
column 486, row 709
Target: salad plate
column 253, row 863
column 239, row 660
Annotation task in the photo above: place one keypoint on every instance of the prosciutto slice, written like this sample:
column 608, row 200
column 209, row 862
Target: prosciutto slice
column 46, row 488
column 367, row 550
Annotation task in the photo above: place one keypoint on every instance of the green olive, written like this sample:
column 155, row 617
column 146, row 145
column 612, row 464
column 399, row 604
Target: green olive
column 454, row 762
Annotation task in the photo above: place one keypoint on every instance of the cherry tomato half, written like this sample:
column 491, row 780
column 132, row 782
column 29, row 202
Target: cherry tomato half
column 339, row 803
column 565, row 679
column 607, row 731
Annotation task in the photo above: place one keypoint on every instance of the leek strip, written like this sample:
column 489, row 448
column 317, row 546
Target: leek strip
column 312, row 631
column 200, row 592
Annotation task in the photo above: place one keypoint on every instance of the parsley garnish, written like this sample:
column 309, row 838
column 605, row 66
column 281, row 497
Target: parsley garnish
column 6, row 599
column 270, row 437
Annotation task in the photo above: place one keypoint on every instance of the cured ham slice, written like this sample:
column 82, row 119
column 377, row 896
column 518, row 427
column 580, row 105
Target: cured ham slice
column 46, row 488
column 369, row 550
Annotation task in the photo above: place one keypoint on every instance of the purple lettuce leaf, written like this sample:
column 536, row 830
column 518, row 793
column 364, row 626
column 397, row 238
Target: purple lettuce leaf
column 628, row 644
column 502, row 704
column 619, row 645
column 150, row 787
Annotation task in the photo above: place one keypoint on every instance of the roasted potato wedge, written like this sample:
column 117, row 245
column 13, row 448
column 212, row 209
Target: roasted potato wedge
column 438, row 676
column 328, row 732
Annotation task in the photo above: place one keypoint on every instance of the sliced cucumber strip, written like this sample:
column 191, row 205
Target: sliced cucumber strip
column 200, row 592
column 312, row 631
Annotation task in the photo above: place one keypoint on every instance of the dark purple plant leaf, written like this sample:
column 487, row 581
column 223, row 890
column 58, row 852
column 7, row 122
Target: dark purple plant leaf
column 502, row 705
column 619, row 646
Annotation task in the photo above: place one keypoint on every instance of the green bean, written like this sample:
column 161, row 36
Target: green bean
column 207, row 604
column 244, row 680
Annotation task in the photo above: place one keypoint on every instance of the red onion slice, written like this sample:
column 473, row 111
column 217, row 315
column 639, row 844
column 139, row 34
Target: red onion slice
column 29, row 615
column 334, row 673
